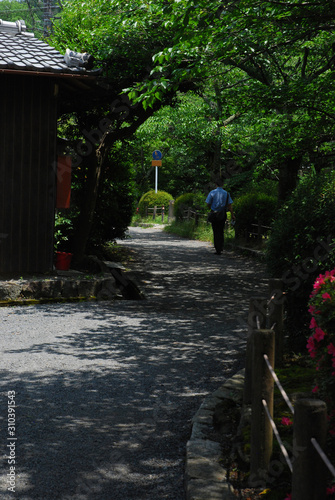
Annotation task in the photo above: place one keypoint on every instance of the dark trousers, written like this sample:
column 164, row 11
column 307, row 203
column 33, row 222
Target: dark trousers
column 218, row 233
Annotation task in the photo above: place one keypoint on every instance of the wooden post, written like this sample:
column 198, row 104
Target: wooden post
column 276, row 316
column 309, row 471
column 262, row 382
column 163, row 213
column 257, row 315
column 154, row 214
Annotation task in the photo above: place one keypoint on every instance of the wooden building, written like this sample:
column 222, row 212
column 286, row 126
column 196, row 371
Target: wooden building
column 35, row 79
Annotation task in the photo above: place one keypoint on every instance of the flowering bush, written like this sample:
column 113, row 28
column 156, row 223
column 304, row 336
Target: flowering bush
column 321, row 344
column 286, row 421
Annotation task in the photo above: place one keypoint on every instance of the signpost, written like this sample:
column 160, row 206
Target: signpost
column 156, row 162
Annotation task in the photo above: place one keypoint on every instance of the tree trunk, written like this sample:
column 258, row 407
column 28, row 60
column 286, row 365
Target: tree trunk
column 288, row 177
column 88, row 204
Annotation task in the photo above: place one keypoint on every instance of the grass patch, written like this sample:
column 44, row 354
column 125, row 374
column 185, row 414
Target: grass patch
column 202, row 232
column 138, row 220
column 116, row 253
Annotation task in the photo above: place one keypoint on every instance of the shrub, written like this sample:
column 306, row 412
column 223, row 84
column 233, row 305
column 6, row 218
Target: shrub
column 63, row 230
column 254, row 207
column 301, row 244
column 321, row 344
column 152, row 199
column 195, row 201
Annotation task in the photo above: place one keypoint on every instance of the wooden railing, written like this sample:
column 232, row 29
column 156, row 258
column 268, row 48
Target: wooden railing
column 310, row 464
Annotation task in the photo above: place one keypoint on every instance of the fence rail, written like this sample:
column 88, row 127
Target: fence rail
column 258, row 231
column 324, row 457
column 160, row 211
column 310, row 416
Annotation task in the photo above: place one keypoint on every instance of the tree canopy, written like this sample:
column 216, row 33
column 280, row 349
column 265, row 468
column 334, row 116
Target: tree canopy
column 268, row 59
column 262, row 70
column 123, row 38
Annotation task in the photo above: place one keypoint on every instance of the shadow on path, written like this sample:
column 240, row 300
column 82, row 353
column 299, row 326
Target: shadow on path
column 105, row 392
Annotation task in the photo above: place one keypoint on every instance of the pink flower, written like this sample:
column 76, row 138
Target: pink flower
column 331, row 491
column 311, row 347
column 311, row 309
column 318, row 282
column 289, row 497
column 313, row 323
column 326, row 296
column 319, row 334
column 331, row 349
column 286, row 421
column 315, row 389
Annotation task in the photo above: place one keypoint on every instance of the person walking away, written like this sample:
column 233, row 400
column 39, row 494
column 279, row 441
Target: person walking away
column 219, row 201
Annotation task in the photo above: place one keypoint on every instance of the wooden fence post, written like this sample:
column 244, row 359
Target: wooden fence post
column 276, row 316
column 256, row 318
column 155, row 211
column 309, row 471
column 163, row 210
column 262, row 388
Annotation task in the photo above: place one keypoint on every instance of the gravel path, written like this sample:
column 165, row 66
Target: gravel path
column 105, row 392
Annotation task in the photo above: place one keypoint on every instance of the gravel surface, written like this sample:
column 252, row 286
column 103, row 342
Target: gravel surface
column 105, row 392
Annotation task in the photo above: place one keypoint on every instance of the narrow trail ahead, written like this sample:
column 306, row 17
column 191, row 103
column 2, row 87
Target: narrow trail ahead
column 105, row 392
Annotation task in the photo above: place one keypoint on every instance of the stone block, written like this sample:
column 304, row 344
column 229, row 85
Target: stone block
column 210, row 403
column 223, row 393
column 204, row 448
column 203, row 416
column 88, row 287
column 41, row 289
column 10, row 291
column 70, row 289
column 204, row 468
column 199, row 431
column 199, row 489
column 236, row 383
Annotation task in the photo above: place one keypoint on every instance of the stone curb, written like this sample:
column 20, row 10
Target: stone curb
column 59, row 287
column 112, row 283
column 205, row 478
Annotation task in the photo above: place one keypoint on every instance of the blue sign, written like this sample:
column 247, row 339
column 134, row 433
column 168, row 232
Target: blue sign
column 157, row 155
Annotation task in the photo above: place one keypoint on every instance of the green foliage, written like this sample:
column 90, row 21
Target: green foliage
column 254, row 207
column 274, row 63
column 36, row 14
column 184, row 133
column 301, row 245
column 63, row 230
column 202, row 231
column 113, row 211
column 195, row 201
column 12, row 11
column 152, row 199
column 307, row 218
column 188, row 229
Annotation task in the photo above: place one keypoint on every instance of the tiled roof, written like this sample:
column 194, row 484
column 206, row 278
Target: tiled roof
column 20, row 50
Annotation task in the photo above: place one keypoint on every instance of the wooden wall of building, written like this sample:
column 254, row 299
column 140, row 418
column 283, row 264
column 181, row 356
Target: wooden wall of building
column 28, row 125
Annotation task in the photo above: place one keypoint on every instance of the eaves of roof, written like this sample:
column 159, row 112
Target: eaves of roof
column 22, row 52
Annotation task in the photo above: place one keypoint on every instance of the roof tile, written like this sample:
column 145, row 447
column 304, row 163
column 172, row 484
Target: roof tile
column 21, row 50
